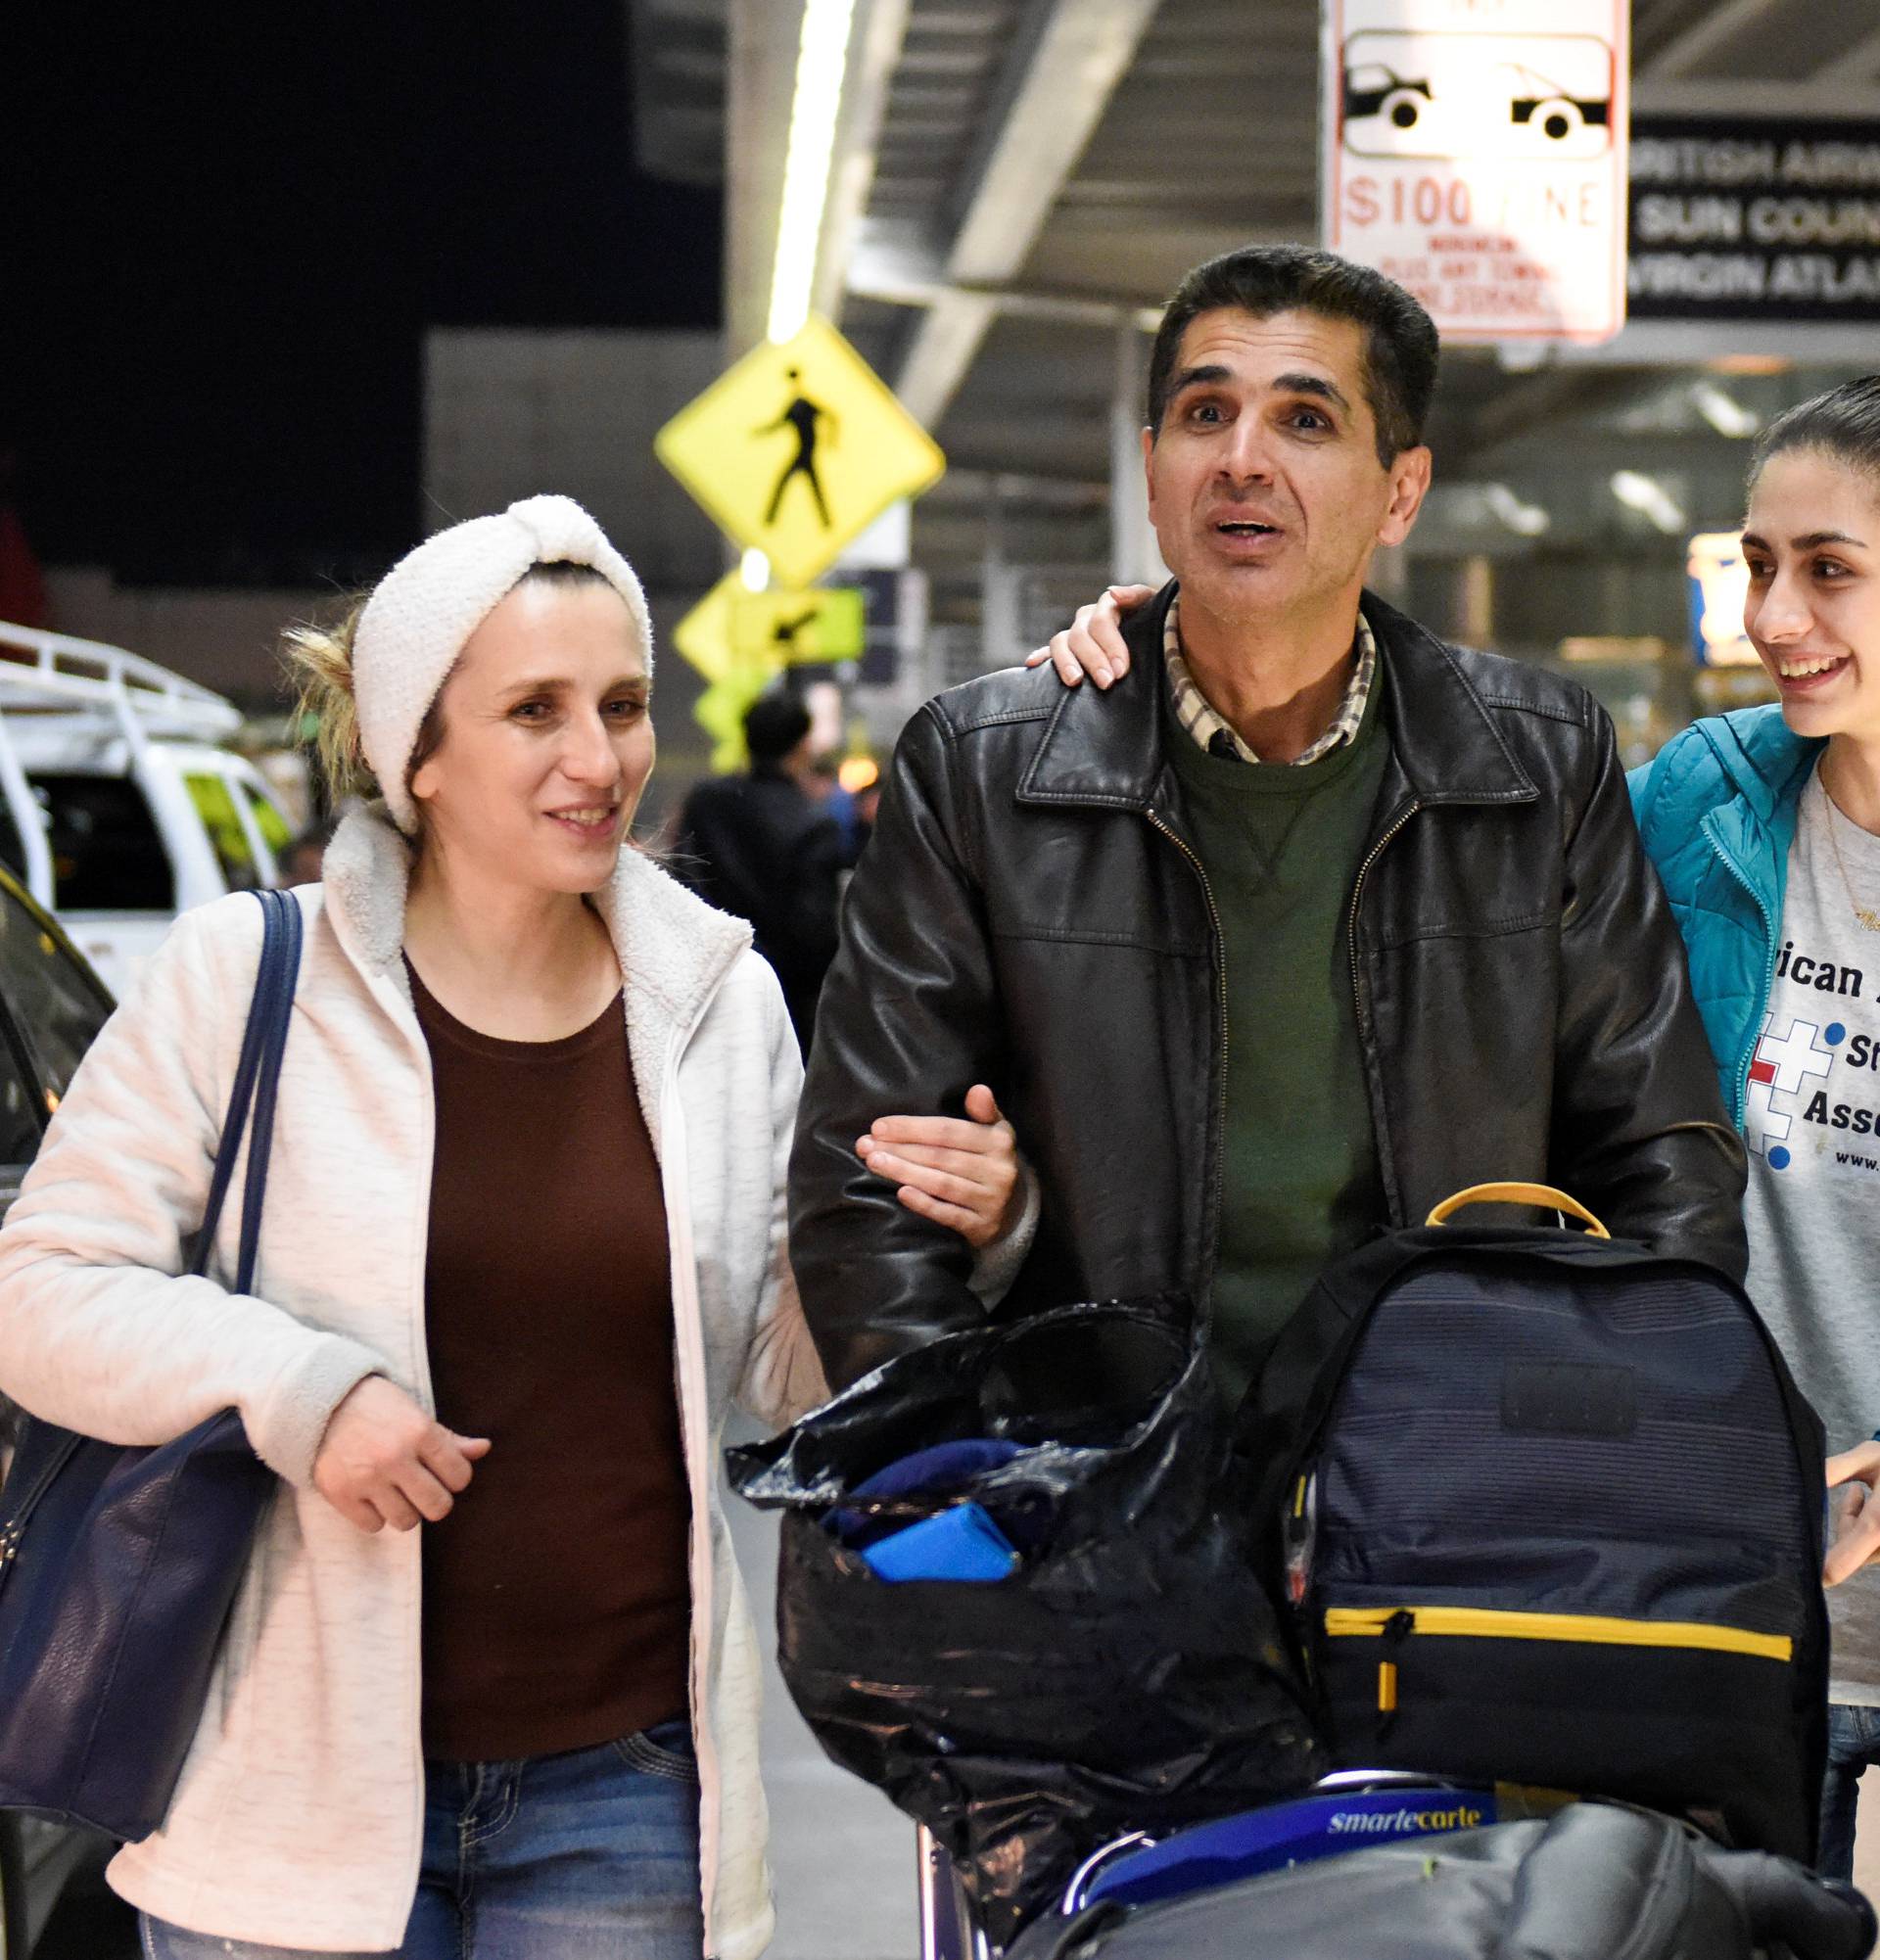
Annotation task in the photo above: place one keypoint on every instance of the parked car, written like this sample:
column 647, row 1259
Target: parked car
column 119, row 806
column 52, row 1004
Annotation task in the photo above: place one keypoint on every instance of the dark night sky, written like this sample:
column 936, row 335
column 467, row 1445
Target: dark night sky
column 222, row 230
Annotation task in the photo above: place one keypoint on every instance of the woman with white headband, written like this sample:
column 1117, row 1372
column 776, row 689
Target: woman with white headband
column 522, row 1244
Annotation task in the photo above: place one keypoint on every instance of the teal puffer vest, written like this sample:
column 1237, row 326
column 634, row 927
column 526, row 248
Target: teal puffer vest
column 1716, row 808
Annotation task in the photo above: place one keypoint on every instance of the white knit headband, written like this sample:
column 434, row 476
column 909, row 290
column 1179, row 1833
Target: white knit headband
column 434, row 598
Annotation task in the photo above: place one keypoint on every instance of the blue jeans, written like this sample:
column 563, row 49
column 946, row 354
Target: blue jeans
column 587, row 1855
column 1853, row 1742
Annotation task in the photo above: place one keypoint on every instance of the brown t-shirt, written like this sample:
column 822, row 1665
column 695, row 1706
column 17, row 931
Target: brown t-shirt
column 556, row 1604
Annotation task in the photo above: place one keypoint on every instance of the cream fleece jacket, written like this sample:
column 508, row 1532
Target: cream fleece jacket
column 297, row 1818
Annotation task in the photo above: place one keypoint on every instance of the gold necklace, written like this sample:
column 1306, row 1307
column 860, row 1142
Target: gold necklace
column 1866, row 914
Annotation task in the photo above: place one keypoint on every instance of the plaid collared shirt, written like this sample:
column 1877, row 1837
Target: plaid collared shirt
column 1210, row 732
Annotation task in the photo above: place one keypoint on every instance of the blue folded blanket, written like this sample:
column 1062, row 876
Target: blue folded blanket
column 929, row 1472
column 961, row 1542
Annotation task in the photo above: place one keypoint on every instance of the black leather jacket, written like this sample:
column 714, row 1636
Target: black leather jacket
column 1030, row 914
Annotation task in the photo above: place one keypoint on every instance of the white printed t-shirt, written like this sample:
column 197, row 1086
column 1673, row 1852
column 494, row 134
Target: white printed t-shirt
column 1812, row 1209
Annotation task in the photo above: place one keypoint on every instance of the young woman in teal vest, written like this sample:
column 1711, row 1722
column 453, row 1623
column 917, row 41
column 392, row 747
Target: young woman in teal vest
column 1765, row 825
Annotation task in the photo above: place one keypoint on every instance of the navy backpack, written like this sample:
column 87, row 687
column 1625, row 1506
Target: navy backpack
column 1549, row 1510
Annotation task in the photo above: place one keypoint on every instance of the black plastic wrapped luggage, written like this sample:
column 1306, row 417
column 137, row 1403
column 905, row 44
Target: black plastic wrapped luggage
column 1128, row 1674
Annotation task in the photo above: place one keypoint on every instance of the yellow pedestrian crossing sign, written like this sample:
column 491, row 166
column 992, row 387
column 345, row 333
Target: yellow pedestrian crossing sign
column 732, row 627
column 704, row 635
column 827, row 623
column 720, row 712
column 704, row 638
column 797, row 449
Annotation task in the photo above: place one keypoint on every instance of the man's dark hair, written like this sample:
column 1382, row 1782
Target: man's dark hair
column 1399, row 338
column 1843, row 424
column 774, row 724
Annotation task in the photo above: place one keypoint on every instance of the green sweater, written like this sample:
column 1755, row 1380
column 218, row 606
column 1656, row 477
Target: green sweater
column 1281, row 845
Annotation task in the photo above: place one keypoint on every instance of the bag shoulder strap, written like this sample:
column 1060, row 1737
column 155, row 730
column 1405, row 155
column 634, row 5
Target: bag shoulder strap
column 256, row 1079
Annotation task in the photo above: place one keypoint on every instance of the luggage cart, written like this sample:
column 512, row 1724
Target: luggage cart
column 947, row 1932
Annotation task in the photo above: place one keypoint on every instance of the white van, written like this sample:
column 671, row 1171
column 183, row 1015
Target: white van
column 118, row 806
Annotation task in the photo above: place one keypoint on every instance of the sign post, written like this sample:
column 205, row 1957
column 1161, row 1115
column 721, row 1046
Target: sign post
column 1475, row 151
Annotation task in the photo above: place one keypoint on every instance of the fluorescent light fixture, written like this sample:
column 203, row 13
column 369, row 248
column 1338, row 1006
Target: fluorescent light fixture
column 1522, row 356
column 755, row 569
column 1524, row 520
column 821, row 60
column 1650, row 499
column 1723, row 411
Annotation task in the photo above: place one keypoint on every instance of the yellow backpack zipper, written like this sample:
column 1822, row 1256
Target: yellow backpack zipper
column 1492, row 1623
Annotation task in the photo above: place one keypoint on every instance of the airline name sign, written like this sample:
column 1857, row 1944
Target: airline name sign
column 1475, row 151
column 1756, row 218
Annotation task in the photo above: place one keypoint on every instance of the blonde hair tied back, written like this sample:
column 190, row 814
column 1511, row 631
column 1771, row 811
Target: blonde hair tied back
column 320, row 660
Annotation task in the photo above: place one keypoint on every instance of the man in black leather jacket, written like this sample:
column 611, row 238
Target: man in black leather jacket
column 1305, row 923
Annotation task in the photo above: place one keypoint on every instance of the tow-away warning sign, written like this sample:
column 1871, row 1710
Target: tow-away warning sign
column 1475, row 151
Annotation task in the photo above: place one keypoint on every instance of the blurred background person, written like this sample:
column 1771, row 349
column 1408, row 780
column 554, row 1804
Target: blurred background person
column 764, row 847
column 851, row 793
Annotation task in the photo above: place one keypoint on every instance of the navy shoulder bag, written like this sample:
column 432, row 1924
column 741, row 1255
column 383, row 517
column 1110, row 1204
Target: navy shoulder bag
column 118, row 1565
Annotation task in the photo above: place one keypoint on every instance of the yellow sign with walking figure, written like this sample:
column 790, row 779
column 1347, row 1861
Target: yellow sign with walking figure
column 829, row 623
column 737, row 677
column 798, row 449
